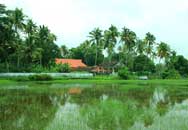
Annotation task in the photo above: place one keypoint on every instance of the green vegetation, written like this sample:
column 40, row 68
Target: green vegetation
column 65, row 68
column 171, row 74
column 27, row 47
column 41, row 77
column 102, row 102
column 23, row 44
column 124, row 73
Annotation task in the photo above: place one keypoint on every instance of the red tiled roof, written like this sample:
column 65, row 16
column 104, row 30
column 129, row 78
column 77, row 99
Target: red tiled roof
column 74, row 63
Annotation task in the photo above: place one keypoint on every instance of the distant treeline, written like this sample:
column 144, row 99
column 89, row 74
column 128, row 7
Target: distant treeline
column 24, row 46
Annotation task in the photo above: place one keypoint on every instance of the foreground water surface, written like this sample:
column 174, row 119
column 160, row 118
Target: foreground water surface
column 96, row 106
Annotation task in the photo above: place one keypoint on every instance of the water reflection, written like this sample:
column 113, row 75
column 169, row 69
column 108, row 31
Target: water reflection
column 68, row 117
column 92, row 107
column 175, row 119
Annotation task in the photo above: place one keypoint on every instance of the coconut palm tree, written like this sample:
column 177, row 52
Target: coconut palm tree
column 96, row 40
column 30, row 27
column 149, row 41
column 163, row 51
column 37, row 55
column 128, row 38
column 110, row 40
column 64, row 51
column 2, row 10
column 140, row 47
column 17, row 19
column 46, row 41
column 30, row 42
column 7, row 36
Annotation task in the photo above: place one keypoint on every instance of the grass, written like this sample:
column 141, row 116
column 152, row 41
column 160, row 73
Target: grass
column 99, row 79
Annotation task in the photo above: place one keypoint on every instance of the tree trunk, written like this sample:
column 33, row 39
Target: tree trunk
column 160, row 70
column 110, row 62
column 7, row 65
column 96, row 56
column 18, row 61
column 40, row 61
column 127, row 58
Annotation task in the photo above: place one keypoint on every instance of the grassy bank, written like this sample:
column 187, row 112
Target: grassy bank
column 97, row 80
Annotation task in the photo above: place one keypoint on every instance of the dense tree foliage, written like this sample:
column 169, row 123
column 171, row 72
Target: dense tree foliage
column 87, row 52
column 25, row 46
column 143, row 64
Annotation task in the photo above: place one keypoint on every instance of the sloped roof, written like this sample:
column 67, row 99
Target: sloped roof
column 74, row 63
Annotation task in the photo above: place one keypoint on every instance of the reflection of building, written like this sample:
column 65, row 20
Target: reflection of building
column 73, row 63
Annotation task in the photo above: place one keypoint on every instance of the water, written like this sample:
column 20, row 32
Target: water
column 36, row 106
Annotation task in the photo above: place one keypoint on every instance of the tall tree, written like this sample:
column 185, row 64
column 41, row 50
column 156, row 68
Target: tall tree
column 17, row 18
column 64, row 51
column 149, row 41
column 7, row 37
column 163, row 50
column 86, row 45
column 110, row 39
column 140, row 47
column 46, row 41
column 128, row 38
column 2, row 9
column 96, row 39
column 30, row 40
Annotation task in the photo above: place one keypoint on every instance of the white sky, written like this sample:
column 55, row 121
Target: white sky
column 72, row 20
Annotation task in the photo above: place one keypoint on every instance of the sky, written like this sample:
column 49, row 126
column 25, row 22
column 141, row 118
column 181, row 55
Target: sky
column 72, row 20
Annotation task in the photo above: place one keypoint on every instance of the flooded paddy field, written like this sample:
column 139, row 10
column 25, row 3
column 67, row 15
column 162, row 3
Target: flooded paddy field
column 93, row 106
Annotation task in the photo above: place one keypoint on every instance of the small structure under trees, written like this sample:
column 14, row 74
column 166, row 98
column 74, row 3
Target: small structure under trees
column 73, row 63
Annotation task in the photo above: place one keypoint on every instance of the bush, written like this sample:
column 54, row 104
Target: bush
column 20, row 78
column 41, row 77
column 39, row 69
column 2, row 68
column 124, row 73
column 63, row 68
column 143, row 65
column 171, row 74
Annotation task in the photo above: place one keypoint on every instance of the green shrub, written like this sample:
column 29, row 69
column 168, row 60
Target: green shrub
column 143, row 65
column 20, row 78
column 124, row 73
column 41, row 77
column 39, row 69
column 63, row 68
column 2, row 68
column 171, row 74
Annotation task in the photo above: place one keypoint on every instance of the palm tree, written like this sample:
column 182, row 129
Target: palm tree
column 85, row 47
column 37, row 55
column 140, row 47
column 128, row 38
column 46, row 41
column 7, row 36
column 30, row 27
column 17, row 18
column 163, row 51
column 149, row 41
column 31, row 38
column 96, row 39
column 64, row 51
column 2, row 9
column 110, row 39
